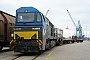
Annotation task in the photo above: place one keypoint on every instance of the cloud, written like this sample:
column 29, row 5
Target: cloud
column 79, row 10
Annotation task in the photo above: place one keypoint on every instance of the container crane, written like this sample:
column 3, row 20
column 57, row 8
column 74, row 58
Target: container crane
column 78, row 36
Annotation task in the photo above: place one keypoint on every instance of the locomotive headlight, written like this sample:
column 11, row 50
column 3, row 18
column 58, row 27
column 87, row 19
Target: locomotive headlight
column 12, row 34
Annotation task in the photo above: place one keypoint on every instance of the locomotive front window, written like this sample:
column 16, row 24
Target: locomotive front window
column 38, row 17
column 25, row 17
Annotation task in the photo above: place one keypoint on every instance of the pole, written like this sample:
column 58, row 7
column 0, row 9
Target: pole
column 46, row 13
column 86, row 32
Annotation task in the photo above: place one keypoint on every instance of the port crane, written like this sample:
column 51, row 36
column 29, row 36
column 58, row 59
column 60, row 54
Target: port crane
column 78, row 36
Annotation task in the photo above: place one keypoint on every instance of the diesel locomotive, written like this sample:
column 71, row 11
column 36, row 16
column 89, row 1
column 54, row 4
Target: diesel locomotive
column 33, row 32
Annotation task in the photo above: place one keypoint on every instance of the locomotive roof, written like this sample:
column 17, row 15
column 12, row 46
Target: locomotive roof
column 29, row 9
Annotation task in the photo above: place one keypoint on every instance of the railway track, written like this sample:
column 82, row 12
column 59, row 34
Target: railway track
column 23, row 56
column 28, row 56
column 11, row 55
column 4, row 50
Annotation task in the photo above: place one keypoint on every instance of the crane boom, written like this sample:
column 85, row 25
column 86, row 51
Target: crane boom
column 71, row 18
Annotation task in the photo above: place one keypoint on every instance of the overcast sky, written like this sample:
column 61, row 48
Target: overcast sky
column 79, row 10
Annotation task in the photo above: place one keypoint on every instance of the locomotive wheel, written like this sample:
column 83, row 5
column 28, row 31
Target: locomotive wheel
column 77, row 41
column 68, row 42
column 40, row 51
column 61, row 43
column 81, row 41
column 58, row 44
column 1, row 48
column 72, row 41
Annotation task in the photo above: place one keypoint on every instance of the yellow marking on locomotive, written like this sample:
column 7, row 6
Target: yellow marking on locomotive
column 12, row 41
column 26, row 34
column 12, row 48
column 39, row 41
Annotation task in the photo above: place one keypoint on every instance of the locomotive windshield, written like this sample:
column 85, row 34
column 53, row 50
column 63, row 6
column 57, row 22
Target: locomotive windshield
column 25, row 17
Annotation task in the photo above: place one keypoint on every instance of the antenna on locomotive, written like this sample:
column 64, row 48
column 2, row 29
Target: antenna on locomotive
column 46, row 13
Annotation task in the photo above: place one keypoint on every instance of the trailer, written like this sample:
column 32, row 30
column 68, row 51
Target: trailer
column 6, row 20
column 78, row 39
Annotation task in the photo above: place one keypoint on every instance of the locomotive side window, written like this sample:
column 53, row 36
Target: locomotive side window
column 38, row 17
column 25, row 17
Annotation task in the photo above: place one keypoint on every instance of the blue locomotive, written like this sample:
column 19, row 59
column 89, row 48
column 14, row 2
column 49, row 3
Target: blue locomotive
column 33, row 32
